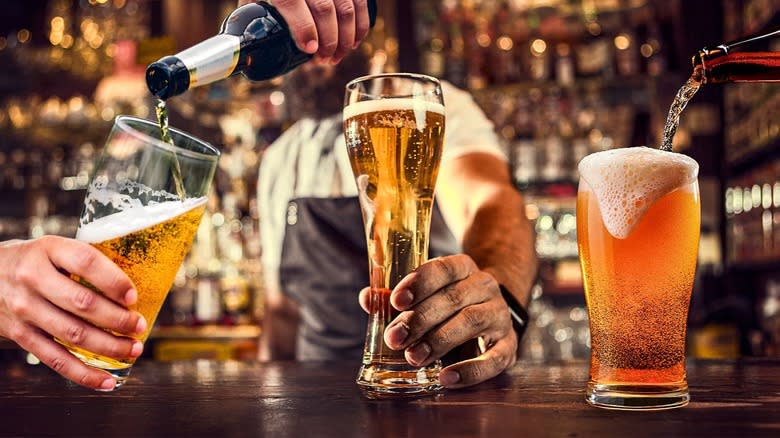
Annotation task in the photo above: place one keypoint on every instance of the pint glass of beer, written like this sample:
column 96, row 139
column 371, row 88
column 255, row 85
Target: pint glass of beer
column 394, row 128
column 133, row 214
column 638, row 217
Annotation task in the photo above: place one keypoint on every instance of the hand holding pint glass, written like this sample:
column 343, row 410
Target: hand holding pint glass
column 133, row 215
column 638, row 219
column 394, row 128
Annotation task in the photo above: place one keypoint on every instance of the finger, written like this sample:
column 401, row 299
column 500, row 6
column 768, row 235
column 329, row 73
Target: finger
column 86, row 303
column 491, row 363
column 364, row 298
column 61, row 361
column 83, row 260
column 429, row 278
column 409, row 326
column 345, row 15
column 77, row 332
column 244, row 2
column 324, row 14
column 470, row 323
column 301, row 23
column 362, row 21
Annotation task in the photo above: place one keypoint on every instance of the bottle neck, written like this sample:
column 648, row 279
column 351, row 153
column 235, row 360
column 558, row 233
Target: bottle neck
column 738, row 67
column 736, row 62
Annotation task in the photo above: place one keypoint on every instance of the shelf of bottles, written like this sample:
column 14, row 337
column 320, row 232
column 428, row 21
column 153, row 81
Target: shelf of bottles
column 51, row 127
column 560, row 80
column 752, row 149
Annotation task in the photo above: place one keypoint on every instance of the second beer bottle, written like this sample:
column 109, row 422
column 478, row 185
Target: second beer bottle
column 254, row 40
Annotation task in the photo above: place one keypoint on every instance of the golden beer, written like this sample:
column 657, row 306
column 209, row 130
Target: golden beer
column 638, row 220
column 395, row 147
column 149, row 244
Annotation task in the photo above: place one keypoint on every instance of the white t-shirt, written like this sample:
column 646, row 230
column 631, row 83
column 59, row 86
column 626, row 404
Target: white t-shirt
column 310, row 160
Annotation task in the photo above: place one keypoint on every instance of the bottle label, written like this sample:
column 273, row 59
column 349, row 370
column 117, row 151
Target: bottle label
column 211, row 60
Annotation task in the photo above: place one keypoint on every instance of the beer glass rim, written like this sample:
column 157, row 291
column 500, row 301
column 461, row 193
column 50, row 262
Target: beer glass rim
column 418, row 76
column 125, row 123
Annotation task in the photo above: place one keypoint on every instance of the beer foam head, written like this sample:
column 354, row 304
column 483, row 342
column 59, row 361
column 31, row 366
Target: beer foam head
column 133, row 219
column 628, row 181
column 418, row 106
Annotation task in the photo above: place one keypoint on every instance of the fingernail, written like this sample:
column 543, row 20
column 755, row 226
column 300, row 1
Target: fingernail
column 138, row 348
column 403, row 298
column 336, row 59
column 311, row 46
column 131, row 297
column 397, row 335
column 449, row 377
column 418, row 353
column 108, row 384
column 140, row 327
column 356, row 45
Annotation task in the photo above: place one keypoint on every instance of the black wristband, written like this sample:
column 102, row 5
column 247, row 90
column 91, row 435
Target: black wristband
column 516, row 311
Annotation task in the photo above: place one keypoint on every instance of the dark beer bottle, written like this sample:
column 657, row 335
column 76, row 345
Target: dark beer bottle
column 254, row 40
column 737, row 62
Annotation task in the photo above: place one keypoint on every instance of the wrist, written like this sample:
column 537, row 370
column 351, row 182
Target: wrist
column 517, row 313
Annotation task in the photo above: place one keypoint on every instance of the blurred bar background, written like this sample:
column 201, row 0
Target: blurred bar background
column 559, row 78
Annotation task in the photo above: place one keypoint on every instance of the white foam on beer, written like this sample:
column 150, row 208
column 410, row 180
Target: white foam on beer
column 419, row 106
column 134, row 219
column 628, row 181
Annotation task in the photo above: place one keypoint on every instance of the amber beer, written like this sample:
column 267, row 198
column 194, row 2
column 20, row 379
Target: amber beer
column 395, row 147
column 149, row 244
column 638, row 218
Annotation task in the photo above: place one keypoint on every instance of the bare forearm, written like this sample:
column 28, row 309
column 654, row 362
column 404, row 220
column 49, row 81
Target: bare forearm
column 487, row 215
column 500, row 240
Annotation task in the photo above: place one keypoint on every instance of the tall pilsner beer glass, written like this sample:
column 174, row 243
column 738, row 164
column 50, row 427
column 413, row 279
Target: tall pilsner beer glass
column 133, row 215
column 394, row 128
column 638, row 220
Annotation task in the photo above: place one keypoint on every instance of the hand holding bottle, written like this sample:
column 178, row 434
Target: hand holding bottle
column 328, row 29
column 262, row 41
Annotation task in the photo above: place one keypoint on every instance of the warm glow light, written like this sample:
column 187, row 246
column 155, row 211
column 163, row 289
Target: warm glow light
column 646, row 50
column 538, row 47
column 622, row 42
column 276, row 98
column 85, row 23
column 58, row 24
column 594, row 28
column 23, row 36
column 67, row 41
column 483, row 39
column 96, row 42
column 505, row 43
column 55, row 39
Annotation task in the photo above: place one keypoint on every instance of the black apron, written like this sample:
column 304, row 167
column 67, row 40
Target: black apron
column 323, row 267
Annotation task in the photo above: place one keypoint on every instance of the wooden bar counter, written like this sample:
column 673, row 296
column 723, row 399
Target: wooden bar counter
column 308, row 400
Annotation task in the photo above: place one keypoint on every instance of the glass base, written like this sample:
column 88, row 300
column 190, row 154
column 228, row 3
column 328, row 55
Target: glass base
column 120, row 373
column 379, row 380
column 637, row 397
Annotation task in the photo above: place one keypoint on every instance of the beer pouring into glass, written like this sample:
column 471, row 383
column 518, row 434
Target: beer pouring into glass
column 133, row 214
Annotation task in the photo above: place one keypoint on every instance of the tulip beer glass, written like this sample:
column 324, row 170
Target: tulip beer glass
column 133, row 215
column 394, row 128
column 638, row 218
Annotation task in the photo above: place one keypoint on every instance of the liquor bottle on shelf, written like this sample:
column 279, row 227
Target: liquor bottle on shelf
column 730, row 62
column 254, row 40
